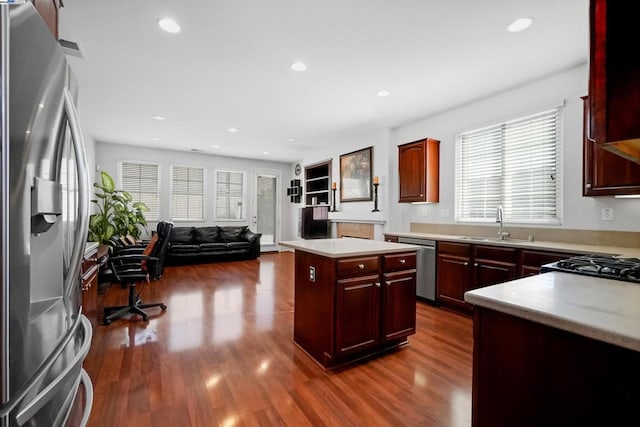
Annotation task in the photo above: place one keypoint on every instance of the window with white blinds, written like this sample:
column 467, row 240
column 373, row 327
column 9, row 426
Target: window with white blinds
column 187, row 193
column 141, row 181
column 514, row 164
column 229, row 201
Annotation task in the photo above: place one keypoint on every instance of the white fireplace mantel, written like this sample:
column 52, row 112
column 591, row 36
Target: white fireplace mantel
column 378, row 219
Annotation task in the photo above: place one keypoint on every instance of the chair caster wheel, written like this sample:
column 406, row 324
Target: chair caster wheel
column 163, row 307
column 107, row 321
column 145, row 318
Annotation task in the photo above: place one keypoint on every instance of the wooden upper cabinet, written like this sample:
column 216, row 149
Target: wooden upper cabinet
column 419, row 170
column 614, row 73
column 48, row 9
column 606, row 173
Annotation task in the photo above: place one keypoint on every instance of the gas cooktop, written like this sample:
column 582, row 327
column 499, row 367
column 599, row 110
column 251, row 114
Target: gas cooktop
column 627, row 269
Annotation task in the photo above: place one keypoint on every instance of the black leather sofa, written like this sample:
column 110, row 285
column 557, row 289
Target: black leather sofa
column 207, row 244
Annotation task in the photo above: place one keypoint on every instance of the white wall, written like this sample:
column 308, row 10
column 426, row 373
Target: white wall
column 108, row 155
column 568, row 86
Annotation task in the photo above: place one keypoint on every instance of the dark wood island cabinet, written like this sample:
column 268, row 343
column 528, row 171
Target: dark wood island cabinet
column 556, row 350
column 355, row 301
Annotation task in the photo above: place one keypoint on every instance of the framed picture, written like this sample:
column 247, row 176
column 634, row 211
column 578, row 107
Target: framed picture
column 355, row 175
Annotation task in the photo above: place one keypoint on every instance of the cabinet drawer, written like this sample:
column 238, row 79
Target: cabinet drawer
column 449, row 248
column 390, row 238
column 354, row 267
column 398, row 262
column 496, row 253
column 89, row 261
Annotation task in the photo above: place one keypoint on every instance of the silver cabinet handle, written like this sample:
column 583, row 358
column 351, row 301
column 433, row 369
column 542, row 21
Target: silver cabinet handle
column 465, row 263
column 475, row 264
column 388, row 282
column 402, row 261
column 377, row 284
column 587, row 186
column 361, row 266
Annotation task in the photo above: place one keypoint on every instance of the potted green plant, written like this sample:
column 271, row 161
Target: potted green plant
column 117, row 214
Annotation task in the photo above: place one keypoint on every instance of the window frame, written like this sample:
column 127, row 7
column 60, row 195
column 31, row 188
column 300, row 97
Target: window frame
column 243, row 216
column 204, row 193
column 158, row 184
column 559, row 182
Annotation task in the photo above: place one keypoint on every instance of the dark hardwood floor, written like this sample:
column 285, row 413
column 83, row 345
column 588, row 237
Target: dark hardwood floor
column 223, row 354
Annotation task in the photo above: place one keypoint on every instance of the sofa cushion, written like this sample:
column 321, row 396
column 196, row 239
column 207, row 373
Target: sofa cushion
column 181, row 235
column 206, row 235
column 232, row 233
column 180, row 249
column 210, row 247
column 238, row 245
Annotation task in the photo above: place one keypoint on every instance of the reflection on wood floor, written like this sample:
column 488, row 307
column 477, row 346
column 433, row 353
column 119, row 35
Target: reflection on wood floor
column 222, row 354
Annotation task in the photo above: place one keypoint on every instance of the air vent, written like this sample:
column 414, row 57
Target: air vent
column 195, row 150
column 72, row 48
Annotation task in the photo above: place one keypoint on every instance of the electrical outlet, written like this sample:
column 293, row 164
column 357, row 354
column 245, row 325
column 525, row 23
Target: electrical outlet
column 607, row 214
column 312, row 273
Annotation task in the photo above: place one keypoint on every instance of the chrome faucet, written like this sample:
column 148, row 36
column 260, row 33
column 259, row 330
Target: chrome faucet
column 502, row 232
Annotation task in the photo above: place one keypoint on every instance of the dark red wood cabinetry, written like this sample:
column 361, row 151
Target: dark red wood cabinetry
column 418, row 171
column 463, row 266
column 350, row 308
column 614, row 73
column 466, row 266
column 606, row 173
column 528, row 374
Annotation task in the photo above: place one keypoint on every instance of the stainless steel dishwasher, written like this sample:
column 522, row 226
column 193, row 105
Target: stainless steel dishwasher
column 425, row 267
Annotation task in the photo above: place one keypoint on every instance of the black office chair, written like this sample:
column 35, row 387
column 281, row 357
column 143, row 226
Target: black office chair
column 130, row 268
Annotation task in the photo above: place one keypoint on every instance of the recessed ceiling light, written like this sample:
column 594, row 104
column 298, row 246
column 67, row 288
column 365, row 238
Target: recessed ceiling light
column 215, row 146
column 383, row 93
column 292, row 139
column 265, row 152
column 519, row 25
column 232, row 130
column 40, row 105
column 298, row 66
column 155, row 138
column 159, row 118
column 169, row 25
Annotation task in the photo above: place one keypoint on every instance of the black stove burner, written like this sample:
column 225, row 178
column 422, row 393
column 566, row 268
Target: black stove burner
column 627, row 269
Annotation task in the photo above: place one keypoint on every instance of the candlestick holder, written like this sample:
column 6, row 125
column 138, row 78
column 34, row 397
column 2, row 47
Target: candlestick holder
column 375, row 198
column 333, row 190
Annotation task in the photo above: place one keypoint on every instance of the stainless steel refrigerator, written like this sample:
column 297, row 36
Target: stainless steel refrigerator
column 44, row 188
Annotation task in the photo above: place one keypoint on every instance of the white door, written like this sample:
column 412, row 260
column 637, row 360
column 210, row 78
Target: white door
column 266, row 208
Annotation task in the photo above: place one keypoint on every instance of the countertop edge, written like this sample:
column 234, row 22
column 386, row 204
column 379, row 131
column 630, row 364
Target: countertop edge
column 563, row 323
column 388, row 249
column 523, row 244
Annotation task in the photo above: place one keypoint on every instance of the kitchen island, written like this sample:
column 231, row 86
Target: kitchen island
column 353, row 297
column 556, row 349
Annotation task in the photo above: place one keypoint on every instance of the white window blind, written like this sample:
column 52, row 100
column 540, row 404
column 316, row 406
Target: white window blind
column 141, row 181
column 513, row 164
column 229, row 202
column 187, row 193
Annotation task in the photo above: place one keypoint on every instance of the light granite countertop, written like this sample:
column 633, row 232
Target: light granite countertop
column 541, row 245
column 602, row 309
column 347, row 247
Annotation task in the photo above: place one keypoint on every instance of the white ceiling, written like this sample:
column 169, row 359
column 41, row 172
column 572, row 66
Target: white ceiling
column 229, row 67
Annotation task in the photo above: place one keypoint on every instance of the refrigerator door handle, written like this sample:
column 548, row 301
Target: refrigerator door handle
column 83, row 191
column 38, row 402
column 88, row 391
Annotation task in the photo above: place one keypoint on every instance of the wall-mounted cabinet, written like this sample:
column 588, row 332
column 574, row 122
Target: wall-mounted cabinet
column 606, row 173
column 614, row 73
column 419, row 171
column 317, row 183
